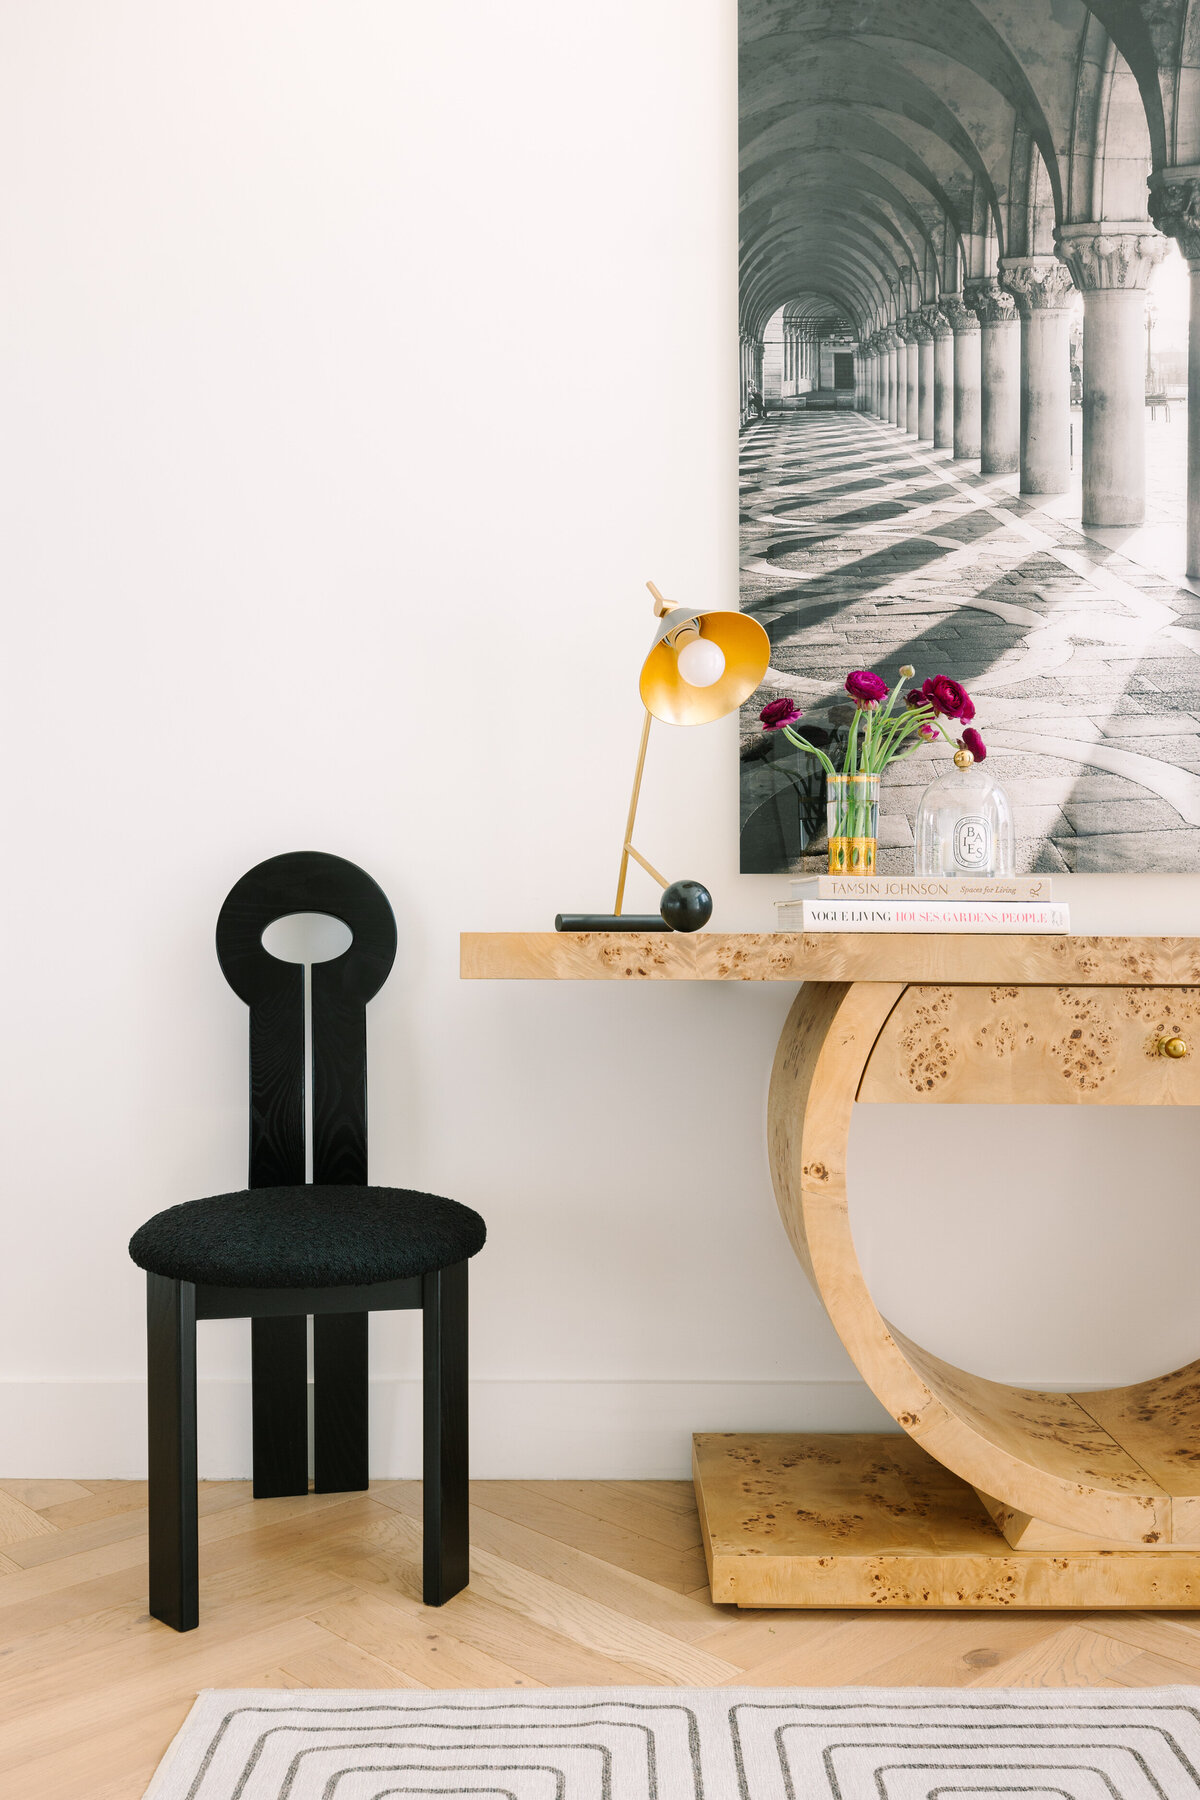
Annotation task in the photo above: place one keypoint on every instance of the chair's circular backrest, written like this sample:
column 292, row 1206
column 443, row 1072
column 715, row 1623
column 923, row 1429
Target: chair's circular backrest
column 307, row 881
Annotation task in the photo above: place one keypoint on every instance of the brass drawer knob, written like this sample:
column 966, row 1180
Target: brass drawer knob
column 1174, row 1047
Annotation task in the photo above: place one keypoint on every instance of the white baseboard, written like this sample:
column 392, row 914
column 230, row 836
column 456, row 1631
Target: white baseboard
column 520, row 1430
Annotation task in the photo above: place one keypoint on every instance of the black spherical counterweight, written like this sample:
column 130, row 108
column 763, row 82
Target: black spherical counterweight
column 686, row 905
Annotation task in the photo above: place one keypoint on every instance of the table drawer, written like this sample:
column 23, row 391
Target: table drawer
column 1072, row 1046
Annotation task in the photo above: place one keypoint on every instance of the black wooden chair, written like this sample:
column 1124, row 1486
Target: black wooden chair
column 282, row 1250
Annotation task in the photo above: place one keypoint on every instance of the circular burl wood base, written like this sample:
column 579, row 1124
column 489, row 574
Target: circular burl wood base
column 1121, row 1466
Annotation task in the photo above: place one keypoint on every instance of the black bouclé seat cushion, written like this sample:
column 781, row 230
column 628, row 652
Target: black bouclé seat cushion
column 315, row 1236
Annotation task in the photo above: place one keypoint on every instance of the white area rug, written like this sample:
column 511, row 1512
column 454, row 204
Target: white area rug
column 688, row 1744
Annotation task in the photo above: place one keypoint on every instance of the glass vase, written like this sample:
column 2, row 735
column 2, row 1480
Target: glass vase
column 963, row 825
column 852, row 814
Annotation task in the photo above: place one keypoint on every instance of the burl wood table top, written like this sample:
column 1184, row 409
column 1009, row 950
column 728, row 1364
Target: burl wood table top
column 827, row 956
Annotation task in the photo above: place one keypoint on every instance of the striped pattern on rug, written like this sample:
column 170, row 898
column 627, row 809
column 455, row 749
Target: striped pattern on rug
column 688, row 1744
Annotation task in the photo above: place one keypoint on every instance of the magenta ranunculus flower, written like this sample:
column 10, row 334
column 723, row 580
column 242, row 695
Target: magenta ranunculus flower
column 948, row 697
column 778, row 713
column 972, row 741
column 865, row 687
column 915, row 697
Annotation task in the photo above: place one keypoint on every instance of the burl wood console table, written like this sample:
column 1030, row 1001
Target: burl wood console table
column 997, row 1496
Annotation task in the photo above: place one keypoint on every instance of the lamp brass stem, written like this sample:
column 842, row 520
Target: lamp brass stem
column 649, row 867
column 628, row 850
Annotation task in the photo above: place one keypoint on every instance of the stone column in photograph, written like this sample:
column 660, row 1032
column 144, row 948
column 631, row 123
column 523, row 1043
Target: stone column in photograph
column 1110, row 264
column 922, row 326
column 912, row 377
column 901, row 330
column 965, row 326
column 1175, row 209
column 943, row 377
column 999, row 377
column 899, row 372
column 1043, row 290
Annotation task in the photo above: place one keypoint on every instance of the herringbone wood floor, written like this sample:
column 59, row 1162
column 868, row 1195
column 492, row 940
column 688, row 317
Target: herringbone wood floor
column 588, row 1582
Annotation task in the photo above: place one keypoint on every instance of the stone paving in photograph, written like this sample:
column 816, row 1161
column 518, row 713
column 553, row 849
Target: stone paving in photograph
column 863, row 549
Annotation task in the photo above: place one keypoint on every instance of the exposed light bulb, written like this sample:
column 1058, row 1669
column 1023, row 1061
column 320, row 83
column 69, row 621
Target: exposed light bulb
column 701, row 662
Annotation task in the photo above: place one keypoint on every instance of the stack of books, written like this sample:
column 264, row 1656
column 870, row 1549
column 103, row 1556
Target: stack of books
column 1017, row 903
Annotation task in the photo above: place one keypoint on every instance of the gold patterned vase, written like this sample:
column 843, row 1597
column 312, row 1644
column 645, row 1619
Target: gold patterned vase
column 852, row 810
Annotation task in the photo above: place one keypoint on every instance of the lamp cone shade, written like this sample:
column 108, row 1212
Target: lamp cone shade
column 747, row 651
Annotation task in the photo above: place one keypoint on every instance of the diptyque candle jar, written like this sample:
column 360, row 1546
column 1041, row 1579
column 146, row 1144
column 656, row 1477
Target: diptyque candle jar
column 964, row 824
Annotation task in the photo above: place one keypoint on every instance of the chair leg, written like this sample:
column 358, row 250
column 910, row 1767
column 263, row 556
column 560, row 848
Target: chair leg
column 447, row 1558
column 171, row 1414
column 279, row 1382
column 340, row 1402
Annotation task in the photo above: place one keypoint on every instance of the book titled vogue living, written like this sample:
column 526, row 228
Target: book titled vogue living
column 923, row 887
column 1031, row 917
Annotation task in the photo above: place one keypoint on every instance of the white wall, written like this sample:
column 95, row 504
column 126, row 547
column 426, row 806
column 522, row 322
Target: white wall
column 359, row 362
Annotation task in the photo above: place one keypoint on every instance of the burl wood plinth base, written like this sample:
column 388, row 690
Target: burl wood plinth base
column 807, row 1520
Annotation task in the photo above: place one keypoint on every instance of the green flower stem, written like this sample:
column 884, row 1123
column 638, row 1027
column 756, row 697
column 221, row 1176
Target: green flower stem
column 853, row 808
column 952, row 741
column 893, row 733
column 793, row 737
column 911, row 718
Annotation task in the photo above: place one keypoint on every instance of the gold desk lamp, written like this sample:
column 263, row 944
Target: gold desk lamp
column 701, row 665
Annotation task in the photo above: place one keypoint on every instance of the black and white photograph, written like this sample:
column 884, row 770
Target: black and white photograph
column 963, row 366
